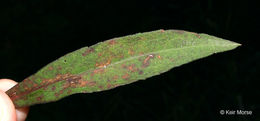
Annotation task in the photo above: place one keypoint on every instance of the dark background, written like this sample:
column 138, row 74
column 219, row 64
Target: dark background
column 35, row 32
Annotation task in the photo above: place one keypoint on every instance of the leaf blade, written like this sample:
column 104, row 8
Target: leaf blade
column 115, row 62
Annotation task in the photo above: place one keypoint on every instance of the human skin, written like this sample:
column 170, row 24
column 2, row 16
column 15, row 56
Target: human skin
column 8, row 112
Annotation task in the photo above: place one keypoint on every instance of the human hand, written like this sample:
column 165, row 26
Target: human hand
column 7, row 108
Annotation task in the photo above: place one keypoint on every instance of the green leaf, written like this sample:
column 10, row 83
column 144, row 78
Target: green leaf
column 115, row 62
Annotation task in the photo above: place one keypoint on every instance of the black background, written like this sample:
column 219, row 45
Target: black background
column 35, row 32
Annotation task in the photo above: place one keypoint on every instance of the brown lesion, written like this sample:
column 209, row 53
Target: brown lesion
column 146, row 61
column 40, row 98
column 28, row 83
column 26, row 86
column 97, row 71
column 87, row 83
column 72, row 81
column 100, row 54
column 59, row 68
column 103, row 64
column 50, row 68
column 59, row 77
column 140, row 72
column 123, row 66
column 141, row 53
column 196, row 34
column 45, row 83
column 109, row 86
column 101, row 87
column 77, row 82
column 53, row 88
column 126, row 76
column 115, row 77
column 112, row 42
column 162, row 30
column 159, row 57
column 88, row 51
column 132, row 68
column 12, row 92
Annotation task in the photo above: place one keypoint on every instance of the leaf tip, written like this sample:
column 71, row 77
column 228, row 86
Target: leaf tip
column 234, row 44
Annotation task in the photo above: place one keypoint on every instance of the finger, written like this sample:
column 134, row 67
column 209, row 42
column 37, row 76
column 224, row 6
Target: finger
column 21, row 113
column 7, row 110
column 6, row 84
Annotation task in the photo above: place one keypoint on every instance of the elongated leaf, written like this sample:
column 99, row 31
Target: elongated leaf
column 115, row 62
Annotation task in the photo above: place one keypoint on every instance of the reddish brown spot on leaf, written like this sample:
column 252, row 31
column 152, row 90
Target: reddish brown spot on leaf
column 45, row 88
column 112, row 85
column 88, row 50
column 103, row 64
column 197, row 35
column 140, row 72
column 96, row 71
column 35, row 85
column 71, row 82
column 162, row 30
column 109, row 86
column 50, row 68
column 39, row 98
column 141, row 53
column 132, row 68
column 53, row 88
column 59, row 77
column 100, row 87
column 146, row 61
column 115, row 77
column 13, row 95
column 87, row 83
column 29, row 83
column 159, row 57
column 56, row 94
column 83, row 83
column 125, row 76
column 124, row 66
column 59, row 67
column 111, row 42
column 92, row 83
column 99, row 54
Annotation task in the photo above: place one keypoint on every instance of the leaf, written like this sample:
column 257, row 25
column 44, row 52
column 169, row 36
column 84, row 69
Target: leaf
column 115, row 62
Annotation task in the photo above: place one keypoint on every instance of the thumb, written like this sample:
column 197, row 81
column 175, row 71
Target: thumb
column 7, row 110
